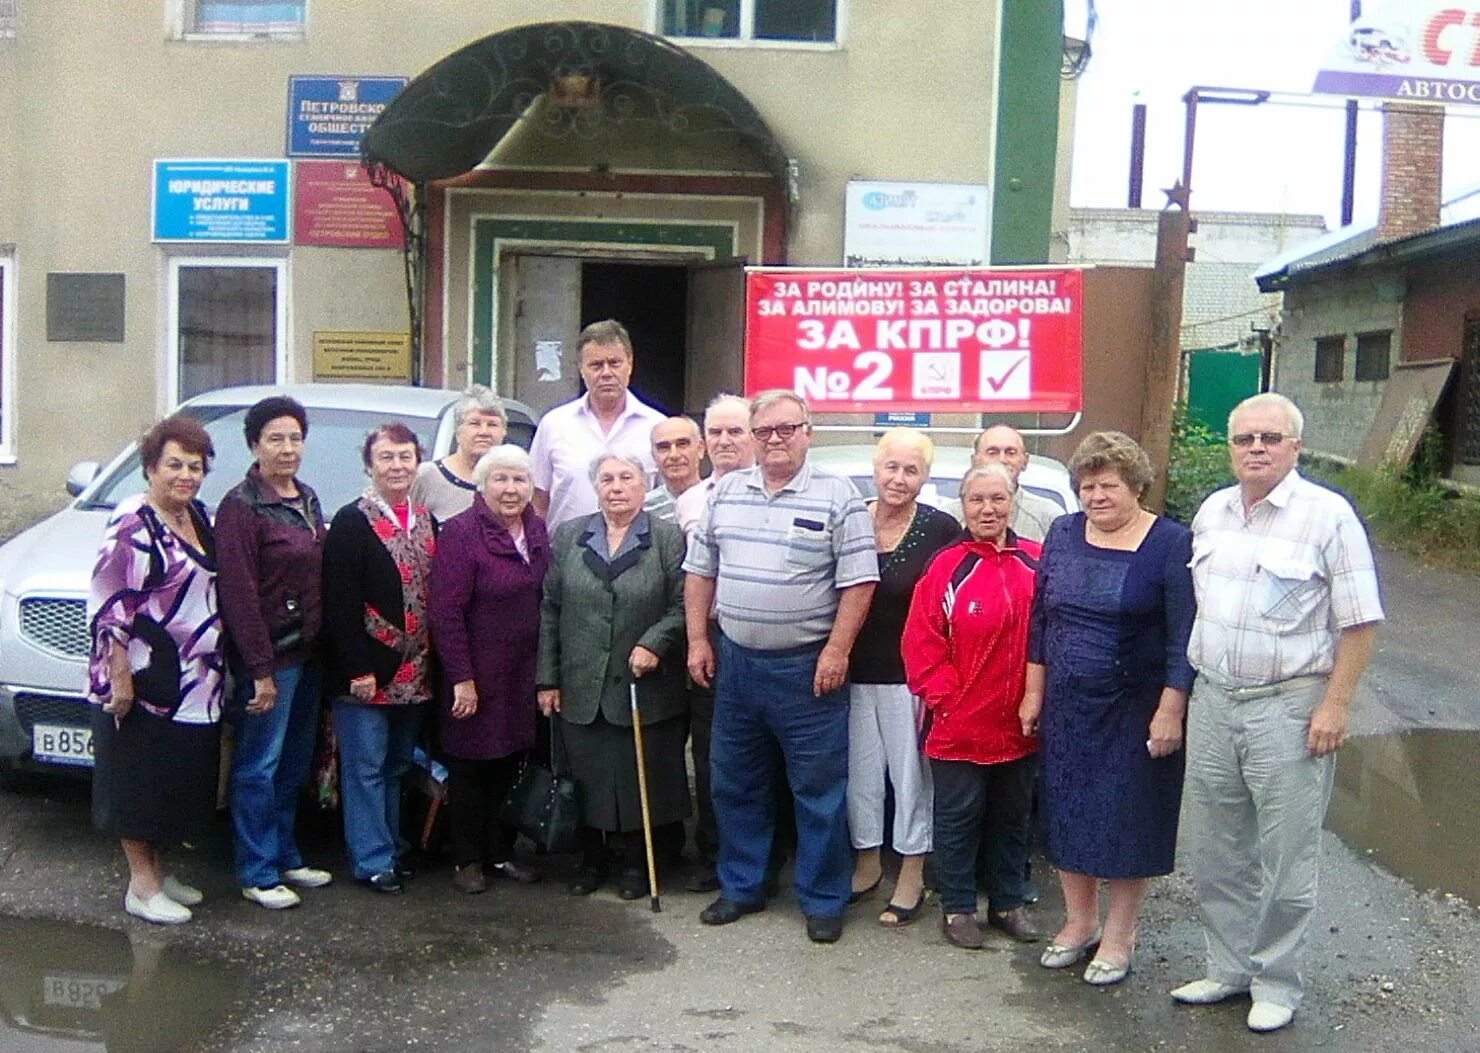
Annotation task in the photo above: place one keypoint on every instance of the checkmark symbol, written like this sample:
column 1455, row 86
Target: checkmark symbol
column 997, row 383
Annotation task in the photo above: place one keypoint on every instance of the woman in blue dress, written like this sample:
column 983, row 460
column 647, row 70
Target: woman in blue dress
column 1108, row 680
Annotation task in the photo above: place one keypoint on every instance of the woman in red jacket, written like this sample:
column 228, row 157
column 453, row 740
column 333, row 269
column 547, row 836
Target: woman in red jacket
column 966, row 654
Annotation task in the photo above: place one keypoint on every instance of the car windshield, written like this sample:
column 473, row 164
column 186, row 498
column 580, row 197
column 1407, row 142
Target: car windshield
column 331, row 455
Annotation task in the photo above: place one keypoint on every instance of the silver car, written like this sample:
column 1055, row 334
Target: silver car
column 45, row 571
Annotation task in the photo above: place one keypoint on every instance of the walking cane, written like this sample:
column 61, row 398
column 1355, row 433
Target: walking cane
column 647, row 818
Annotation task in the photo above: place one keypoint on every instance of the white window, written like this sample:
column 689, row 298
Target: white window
column 7, row 358
column 236, row 19
column 227, row 325
column 752, row 21
column 10, row 17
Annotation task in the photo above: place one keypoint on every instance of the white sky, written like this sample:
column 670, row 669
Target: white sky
column 1271, row 158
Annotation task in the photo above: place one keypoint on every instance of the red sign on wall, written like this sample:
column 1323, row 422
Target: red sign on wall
column 933, row 340
column 335, row 204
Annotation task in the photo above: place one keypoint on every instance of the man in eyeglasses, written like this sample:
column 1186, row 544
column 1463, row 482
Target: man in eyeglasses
column 1287, row 617
column 785, row 554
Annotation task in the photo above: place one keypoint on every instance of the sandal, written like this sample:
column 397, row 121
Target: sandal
column 896, row 917
column 861, row 893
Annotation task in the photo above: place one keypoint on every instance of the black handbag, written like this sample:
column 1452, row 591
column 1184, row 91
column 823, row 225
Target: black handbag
column 545, row 803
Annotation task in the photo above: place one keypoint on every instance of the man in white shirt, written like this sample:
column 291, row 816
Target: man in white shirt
column 607, row 419
column 678, row 449
column 1287, row 615
column 1031, row 514
column 728, row 443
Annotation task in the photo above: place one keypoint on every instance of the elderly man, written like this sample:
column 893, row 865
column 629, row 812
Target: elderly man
column 678, row 449
column 608, row 418
column 727, row 441
column 786, row 555
column 1031, row 514
column 1287, row 616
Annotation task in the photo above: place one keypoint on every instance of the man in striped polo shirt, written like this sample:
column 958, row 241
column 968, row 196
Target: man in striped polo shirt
column 785, row 554
column 678, row 449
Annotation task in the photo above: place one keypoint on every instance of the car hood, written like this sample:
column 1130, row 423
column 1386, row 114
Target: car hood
column 55, row 556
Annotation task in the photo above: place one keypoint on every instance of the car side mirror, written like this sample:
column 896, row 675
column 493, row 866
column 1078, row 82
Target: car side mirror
column 81, row 475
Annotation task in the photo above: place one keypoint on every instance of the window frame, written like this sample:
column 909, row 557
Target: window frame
column 1340, row 359
column 11, row 29
column 1358, row 374
column 179, row 24
column 282, row 362
column 747, row 38
column 7, row 355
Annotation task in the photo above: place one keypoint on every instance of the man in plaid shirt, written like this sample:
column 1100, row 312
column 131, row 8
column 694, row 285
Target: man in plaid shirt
column 1288, row 608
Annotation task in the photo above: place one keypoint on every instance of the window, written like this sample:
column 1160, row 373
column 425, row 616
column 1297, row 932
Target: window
column 1330, row 358
column 228, row 324
column 10, row 17
column 794, row 21
column 235, row 19
column 7, row 359
column 1373, row 352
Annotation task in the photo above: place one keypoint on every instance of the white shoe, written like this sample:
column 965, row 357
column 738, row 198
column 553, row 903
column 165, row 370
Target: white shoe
column 278, row 897
column 307, row 877
column 181, row 893
column 1269, row 1016
column 158, row 908
column 1206, row 992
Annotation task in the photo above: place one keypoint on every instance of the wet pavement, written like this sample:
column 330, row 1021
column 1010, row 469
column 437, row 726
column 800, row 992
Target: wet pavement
column 1393, row 964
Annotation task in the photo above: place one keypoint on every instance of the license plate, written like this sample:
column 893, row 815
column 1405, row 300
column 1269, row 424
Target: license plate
column 62, row 744
column 75, row 991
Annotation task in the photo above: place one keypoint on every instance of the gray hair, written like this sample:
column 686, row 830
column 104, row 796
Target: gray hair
column 478, row 399
column 508, row 456
column 991, row 470
column 611, row 455
column 766, row 399
column 1271, row 400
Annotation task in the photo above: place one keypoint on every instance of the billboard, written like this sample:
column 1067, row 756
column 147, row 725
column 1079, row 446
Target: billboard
column 915, row 224
column 928, row 340
column 1410, row 50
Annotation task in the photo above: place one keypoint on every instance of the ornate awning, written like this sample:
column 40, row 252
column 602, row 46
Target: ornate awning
column 586, row 76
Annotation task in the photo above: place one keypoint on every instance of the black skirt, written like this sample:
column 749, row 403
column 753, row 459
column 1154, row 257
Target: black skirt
column 154, row 779
column 604, row 763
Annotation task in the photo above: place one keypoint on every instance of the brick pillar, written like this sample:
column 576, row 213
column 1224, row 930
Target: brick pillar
column 1412, row 166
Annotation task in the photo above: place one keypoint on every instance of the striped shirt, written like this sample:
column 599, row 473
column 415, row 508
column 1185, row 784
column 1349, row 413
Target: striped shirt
column 661, row 504
column 1276, row 587
column 780, row 559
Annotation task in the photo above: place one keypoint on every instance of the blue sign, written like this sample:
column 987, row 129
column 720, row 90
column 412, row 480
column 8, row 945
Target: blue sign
column 327, row 116
column 901, row 419
column 221, row 201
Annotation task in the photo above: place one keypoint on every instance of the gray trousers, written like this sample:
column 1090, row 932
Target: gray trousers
column 1255, row 803
column 883, row 740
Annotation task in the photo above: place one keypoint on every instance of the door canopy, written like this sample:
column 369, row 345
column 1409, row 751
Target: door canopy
column 573, row 79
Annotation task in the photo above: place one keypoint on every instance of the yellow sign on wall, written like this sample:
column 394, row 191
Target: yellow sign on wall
column 382, row 357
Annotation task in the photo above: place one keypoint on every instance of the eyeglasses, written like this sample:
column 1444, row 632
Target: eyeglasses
column 781, row 431
column 1266, row 438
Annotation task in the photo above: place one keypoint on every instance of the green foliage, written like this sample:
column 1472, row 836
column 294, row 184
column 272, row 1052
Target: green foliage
column 1411, row 512
column 1199, row 465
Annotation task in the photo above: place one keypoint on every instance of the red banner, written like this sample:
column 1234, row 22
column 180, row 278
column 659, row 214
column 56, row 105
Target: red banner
column 335, row 204
column 943, row 341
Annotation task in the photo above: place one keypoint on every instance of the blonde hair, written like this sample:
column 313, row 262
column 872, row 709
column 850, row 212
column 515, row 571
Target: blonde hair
column 912, row 439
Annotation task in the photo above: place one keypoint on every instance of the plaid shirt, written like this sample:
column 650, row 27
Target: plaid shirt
column 1277, row 586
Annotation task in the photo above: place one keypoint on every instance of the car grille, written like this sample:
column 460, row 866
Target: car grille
column 57, row 625
column 50, row 709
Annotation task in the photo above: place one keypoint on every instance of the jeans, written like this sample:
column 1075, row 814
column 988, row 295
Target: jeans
column 376, row 743
column 763, row 699
column 975, row 802
column 274, row 751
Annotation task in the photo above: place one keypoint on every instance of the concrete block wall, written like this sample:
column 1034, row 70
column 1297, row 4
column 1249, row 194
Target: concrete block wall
column 1337, row 413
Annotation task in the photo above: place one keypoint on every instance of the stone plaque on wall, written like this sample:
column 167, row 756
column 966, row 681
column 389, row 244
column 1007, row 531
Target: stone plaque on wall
column 84, row 307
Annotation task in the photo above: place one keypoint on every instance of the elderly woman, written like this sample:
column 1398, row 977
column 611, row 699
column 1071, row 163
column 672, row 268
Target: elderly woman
column 485, row 615
column 447, row 487
column 612, row 615
column 1108, row 679
column 882, row 716
column 270, row 535
column 966, row 655
column 155, row 670
column 377, row 561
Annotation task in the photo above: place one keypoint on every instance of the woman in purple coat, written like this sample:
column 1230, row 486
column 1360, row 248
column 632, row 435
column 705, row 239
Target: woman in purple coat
column 485, row 619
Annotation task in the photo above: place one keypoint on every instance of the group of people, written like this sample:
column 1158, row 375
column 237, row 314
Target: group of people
column 810, row 648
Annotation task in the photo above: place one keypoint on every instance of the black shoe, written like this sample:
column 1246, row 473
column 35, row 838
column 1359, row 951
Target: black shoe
column 586, row 881
column 824, row 930
column 704, row 879
column 724, row 911
column 387, row 881
column 514, row 871
column 632, row 884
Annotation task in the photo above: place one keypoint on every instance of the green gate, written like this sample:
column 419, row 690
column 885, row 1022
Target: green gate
column 1217, row 381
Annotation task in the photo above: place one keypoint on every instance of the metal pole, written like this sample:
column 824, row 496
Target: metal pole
column 1138, row 153
column 1349, row 161
column 1188, row 138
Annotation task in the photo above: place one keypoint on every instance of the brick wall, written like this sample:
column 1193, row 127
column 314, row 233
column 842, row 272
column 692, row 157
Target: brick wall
column 1412, row 160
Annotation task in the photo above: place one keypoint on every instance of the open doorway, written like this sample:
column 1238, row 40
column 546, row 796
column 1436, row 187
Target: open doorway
column 651, row 300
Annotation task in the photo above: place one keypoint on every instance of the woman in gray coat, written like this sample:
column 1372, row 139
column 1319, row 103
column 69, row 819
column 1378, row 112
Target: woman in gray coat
column 613, row 613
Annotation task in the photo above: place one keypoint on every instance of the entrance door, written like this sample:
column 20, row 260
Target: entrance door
column 716, row 332
column 542, row 314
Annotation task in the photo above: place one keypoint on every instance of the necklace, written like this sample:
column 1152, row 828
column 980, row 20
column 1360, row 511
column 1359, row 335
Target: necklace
column 888, row 542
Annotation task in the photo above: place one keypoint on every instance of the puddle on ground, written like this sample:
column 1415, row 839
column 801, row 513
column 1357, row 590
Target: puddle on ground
column 1411, row 800
column 76, row 987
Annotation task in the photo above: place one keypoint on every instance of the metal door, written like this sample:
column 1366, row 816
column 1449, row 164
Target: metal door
column 540, row 320
column 716, row 332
